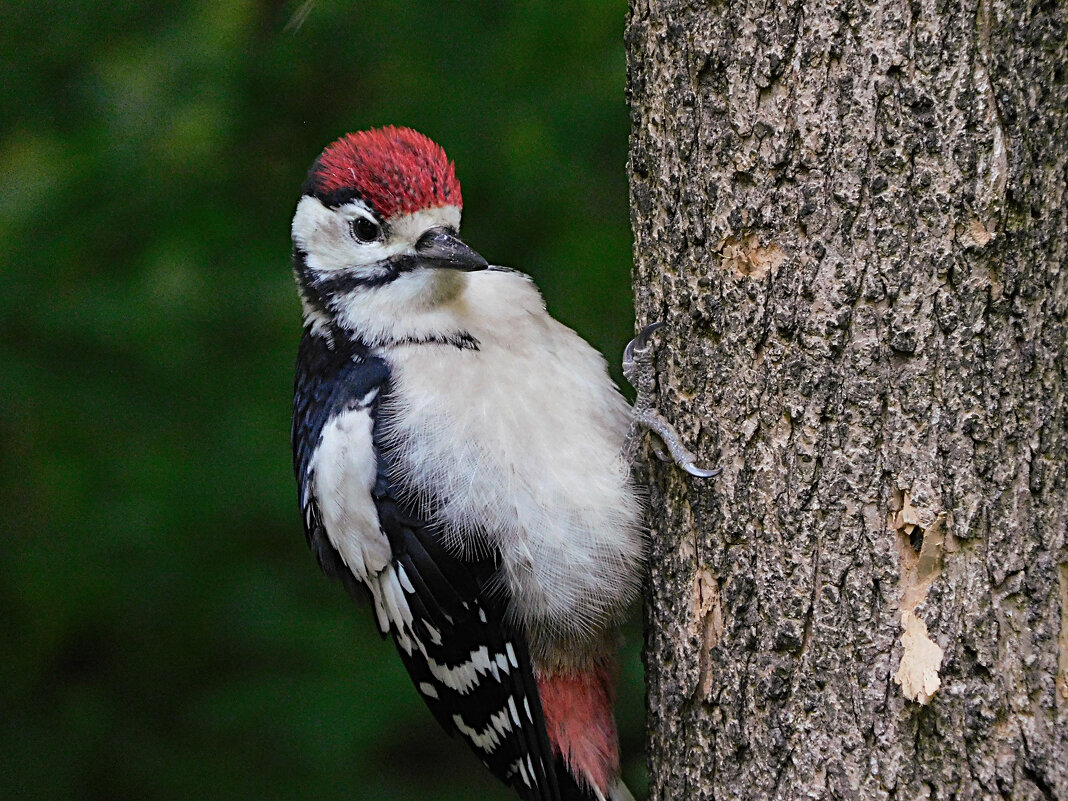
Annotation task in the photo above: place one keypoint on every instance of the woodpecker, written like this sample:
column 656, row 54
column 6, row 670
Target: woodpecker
column 463, row 459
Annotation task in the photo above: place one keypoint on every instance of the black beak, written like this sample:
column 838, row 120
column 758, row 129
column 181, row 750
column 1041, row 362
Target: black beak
column 443, row 248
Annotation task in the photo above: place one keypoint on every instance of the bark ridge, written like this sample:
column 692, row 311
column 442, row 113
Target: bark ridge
column 853, row 217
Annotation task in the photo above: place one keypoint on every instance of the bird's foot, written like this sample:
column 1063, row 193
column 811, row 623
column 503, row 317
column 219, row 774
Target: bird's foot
column 639, row 370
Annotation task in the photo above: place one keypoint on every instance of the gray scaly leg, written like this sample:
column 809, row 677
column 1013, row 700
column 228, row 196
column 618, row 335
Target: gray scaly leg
column 639, row 370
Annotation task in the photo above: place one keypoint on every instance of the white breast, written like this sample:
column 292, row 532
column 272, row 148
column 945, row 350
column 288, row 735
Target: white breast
column 520, row 442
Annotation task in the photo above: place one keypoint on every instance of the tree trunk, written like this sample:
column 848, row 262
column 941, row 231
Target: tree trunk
column 853, row 217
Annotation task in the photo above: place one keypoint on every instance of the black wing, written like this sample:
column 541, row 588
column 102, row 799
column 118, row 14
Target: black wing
column 447, row 615
column 471, row 666
column 328, row 381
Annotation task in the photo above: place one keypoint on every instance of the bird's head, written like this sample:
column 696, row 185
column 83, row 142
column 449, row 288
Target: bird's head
column 375, row 234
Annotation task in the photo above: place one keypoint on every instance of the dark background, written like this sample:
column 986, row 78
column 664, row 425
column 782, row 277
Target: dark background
column 167, row 635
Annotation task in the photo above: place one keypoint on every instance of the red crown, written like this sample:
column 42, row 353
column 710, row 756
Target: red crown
column 394, row 170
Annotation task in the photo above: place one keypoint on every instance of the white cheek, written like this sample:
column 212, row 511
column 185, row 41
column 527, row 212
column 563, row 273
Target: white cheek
column 313, row 224
column 325, row 238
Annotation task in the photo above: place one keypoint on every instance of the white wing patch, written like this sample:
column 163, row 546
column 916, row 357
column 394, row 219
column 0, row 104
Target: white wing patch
column 344, row 470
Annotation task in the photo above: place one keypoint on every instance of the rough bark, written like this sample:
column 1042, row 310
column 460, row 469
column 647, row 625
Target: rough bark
column 853, row 217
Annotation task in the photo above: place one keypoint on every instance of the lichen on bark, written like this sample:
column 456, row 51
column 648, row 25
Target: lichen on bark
column 854, row 218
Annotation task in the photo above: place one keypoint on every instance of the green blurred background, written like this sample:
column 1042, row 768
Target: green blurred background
column 167, row 633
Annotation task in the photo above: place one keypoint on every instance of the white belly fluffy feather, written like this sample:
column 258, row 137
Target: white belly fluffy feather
column 519, row 442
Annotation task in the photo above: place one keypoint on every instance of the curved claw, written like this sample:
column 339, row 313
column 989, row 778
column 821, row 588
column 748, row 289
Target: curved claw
column 639, row 342
column 701, row 472
column 645, row 333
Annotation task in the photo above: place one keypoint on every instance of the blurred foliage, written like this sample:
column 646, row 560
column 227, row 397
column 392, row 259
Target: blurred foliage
column 168, row 634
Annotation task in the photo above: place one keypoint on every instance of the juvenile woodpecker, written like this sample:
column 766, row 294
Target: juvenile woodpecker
column 463, row 459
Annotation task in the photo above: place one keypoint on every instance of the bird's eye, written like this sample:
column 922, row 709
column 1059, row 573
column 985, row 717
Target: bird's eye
column 365, row 230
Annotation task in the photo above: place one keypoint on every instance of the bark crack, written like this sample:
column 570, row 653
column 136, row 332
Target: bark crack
column 910, row 339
